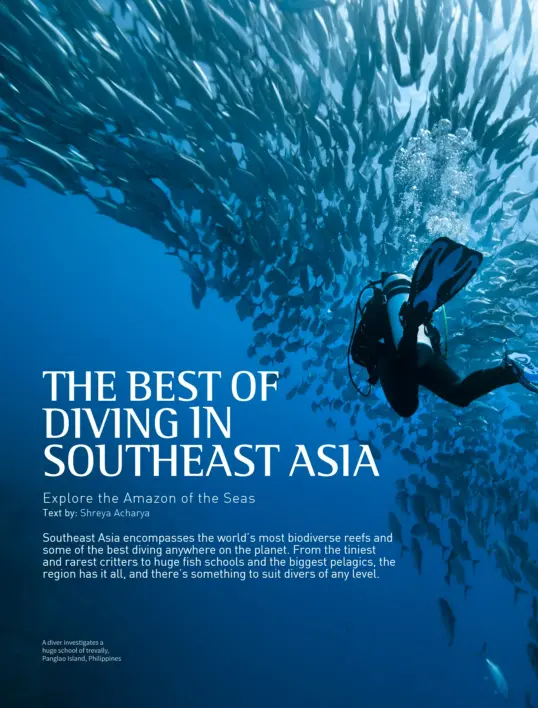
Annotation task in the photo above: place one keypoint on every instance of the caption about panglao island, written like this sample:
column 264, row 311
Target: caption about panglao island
column 95, row 432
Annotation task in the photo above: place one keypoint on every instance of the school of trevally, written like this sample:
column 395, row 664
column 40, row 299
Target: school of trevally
column 285, row 153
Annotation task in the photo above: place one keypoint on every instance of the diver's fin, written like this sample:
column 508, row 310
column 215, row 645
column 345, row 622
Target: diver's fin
column 443, row 270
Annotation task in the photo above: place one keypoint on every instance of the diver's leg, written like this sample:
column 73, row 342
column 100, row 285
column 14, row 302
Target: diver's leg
column 407, row 349
column 483, row 381
column 439, row 378
column 399, row 382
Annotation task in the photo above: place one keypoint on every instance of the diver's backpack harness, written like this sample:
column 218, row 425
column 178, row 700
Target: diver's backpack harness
column 379, row 293
column 358, row 308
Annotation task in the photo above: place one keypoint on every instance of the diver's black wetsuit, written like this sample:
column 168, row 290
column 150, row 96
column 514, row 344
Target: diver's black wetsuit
column 398, row 372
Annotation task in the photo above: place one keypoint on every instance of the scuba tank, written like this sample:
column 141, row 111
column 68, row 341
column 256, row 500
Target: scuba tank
column 396, row 289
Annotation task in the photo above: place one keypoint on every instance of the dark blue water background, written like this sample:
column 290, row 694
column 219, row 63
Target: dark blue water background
column 80, row 292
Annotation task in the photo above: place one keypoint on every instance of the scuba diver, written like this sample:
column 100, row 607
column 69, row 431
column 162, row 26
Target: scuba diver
column 399, row 346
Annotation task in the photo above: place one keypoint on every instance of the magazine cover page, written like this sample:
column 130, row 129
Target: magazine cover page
column 270, row 353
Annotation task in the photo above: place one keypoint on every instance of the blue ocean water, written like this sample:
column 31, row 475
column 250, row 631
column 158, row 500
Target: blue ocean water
column 83, row 293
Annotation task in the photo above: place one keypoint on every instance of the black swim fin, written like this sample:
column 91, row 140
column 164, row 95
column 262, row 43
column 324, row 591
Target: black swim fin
column 443, row 270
